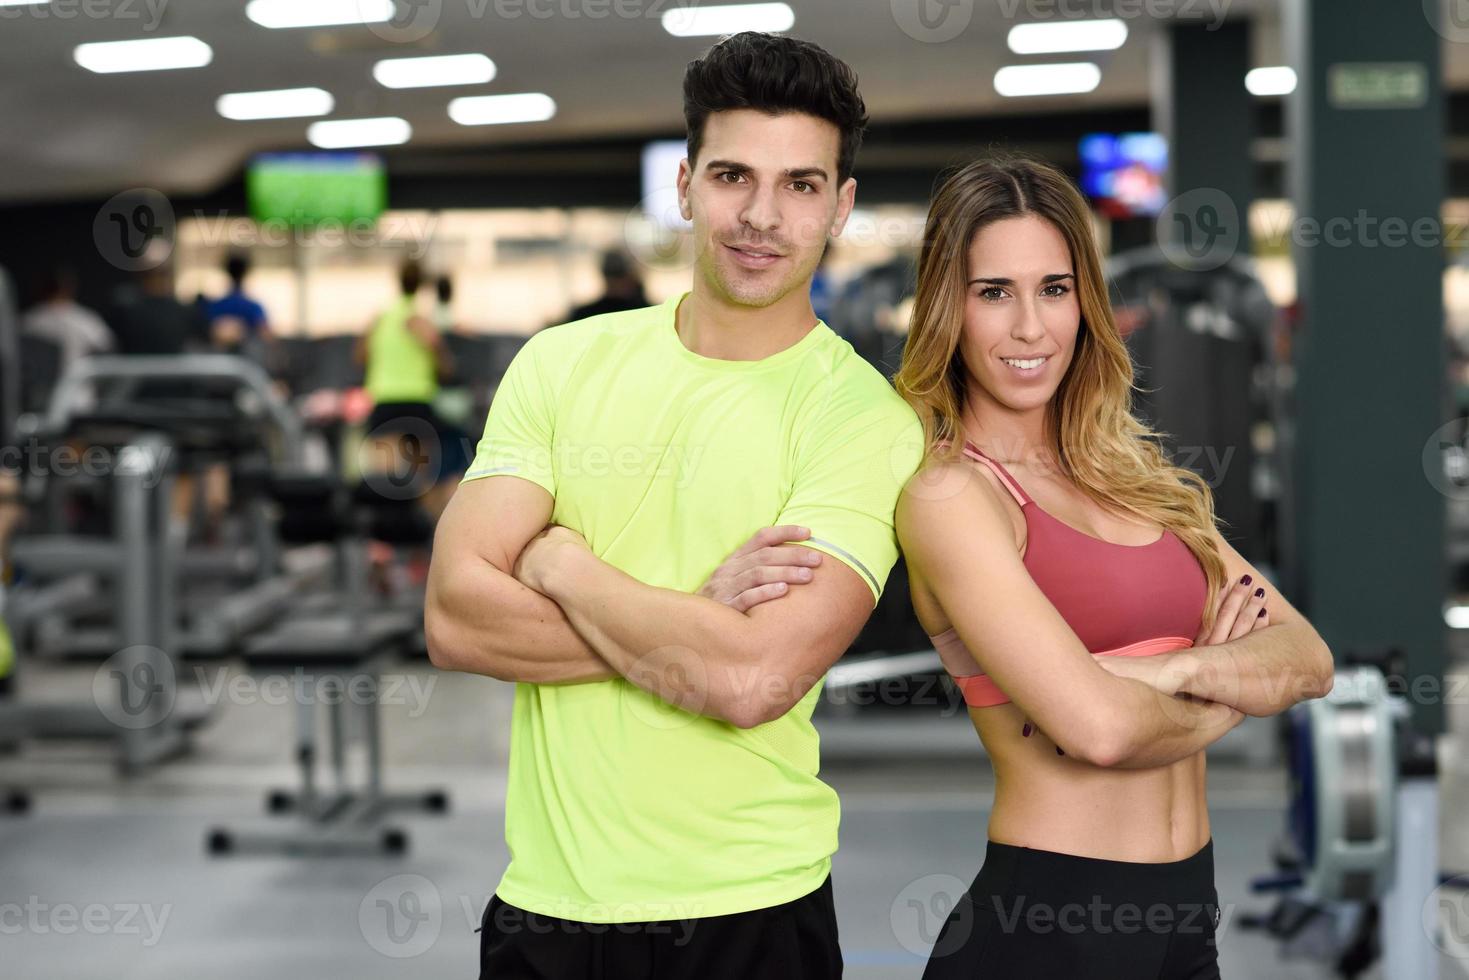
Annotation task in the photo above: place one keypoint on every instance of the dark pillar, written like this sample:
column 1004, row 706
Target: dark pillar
column 1365, row 127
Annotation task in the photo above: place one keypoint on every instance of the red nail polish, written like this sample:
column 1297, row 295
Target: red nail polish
column 1246, row 580
column 1259, row 593
column 1261, row 613
column 1060, row 751
column 1026, row 730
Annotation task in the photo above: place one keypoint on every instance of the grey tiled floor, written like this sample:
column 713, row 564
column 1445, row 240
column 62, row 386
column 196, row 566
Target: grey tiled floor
column 109, row 878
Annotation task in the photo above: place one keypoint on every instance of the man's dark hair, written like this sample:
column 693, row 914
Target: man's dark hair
column 410, row 277
column 237, row 267
column 775, row 74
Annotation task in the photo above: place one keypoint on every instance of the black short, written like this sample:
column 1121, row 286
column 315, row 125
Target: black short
column 793, row 941
column 1037, row 915
column 447, row 447
column 402, row 418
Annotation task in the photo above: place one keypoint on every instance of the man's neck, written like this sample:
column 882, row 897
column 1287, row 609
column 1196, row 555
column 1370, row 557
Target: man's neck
column 711, row 327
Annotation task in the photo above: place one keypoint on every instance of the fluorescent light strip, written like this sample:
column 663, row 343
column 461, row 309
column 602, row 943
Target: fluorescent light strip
column 1271, row 81
column 339, row 134
column 1060, row 79
column 318, row 13
column 1456, row 617
column 731, row 19
column 490, row 110
column 150, row 54
column 285, row 103
column 449, row 69
column 1072, row 35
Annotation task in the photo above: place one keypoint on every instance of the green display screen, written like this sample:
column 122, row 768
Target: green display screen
column 310, row 189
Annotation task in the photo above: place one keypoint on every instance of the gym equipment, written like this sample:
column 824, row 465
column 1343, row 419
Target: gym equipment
column 1201, row 341
column 338, row 638
column 136, row 698
column 1359, row 855
column 214, row 409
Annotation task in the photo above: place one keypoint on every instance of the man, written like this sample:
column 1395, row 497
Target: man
column 237, row 323
column 664, row 815
column 57, row 317
column 621, row 288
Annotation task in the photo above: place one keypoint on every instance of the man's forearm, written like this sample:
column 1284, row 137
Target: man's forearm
column 1160, row 729
column 480, row 620
column 685, row 649
column 1261, row 673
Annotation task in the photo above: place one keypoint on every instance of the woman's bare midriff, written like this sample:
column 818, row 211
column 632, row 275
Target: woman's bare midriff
column 1055, row 803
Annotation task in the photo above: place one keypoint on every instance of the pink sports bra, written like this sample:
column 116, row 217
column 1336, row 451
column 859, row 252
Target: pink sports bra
column 1121, row 600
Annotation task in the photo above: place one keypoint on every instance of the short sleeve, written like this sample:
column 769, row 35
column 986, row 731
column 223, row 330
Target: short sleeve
column 518, row 429
column 847, row 485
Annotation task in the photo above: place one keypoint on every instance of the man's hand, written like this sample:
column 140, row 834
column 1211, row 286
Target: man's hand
column 539, row 556
column 761, row 570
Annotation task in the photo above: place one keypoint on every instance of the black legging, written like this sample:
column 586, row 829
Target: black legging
column 1039, row 915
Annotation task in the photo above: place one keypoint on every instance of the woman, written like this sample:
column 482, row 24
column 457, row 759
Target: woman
column 1076, row 586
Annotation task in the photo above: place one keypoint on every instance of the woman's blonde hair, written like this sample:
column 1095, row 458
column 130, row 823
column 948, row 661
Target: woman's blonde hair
column 1099, row 444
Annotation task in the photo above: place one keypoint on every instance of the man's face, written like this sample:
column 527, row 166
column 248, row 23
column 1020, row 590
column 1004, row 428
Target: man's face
column 763, row 199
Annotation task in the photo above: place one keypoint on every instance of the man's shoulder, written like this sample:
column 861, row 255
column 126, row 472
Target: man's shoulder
column 860, row 389
column 587, row 328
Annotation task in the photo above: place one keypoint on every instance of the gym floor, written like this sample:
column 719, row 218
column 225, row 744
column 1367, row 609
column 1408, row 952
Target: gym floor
column 113, row 876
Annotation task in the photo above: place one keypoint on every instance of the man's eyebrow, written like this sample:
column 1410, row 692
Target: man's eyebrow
column 795, row 173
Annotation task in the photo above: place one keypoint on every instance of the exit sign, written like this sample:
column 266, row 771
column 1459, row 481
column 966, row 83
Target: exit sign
column 1377, row 85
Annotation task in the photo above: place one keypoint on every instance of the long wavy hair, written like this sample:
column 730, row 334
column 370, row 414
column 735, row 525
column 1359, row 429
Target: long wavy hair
column 1099, row 444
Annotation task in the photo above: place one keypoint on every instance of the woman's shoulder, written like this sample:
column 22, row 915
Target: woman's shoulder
column 960, row 496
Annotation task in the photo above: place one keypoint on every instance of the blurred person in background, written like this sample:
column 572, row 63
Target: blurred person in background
column 444, row 305
column 405, row 357
column 146, row 316
column 622, row 289
column 58, row 318
column 237, row 323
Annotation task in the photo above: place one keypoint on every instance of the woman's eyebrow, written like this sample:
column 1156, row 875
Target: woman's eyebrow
column 1003, row 281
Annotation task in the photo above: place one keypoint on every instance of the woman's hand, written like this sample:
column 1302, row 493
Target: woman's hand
column 1241, row 610
column 538, row 557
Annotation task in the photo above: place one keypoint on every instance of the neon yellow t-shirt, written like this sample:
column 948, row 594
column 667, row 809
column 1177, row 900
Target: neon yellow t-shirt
column 620, row 807
column 400, row 367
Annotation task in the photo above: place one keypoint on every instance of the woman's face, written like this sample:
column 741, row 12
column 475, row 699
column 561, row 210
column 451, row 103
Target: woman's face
column 1021, row 315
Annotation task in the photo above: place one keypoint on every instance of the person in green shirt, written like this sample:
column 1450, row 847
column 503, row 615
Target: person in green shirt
column 677, row 519
column 404, row 355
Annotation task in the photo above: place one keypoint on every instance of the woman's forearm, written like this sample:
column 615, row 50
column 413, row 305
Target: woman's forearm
column 1156, row 729
column 1261, row 673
